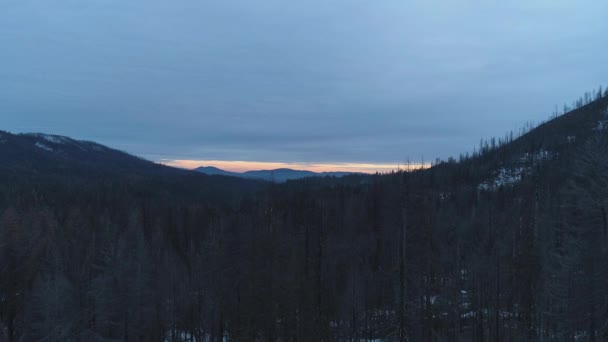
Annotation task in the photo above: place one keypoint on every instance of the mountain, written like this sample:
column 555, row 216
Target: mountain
column 39, row 153
column 507, row 243
column 53, row 160
column 33, row 153
column 214, row 171
column 277, row 175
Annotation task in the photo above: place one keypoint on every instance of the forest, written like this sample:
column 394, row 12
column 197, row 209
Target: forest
column 509, row 243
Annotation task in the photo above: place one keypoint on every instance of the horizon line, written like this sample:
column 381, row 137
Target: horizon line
column 243, row 166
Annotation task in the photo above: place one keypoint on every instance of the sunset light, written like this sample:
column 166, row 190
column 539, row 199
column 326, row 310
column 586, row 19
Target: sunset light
column 242, row 166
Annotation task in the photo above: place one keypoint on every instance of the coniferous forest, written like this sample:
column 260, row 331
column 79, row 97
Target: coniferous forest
column 509, row 243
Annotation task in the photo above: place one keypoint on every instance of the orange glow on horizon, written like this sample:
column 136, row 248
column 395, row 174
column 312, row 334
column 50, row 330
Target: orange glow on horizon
column 242, row 166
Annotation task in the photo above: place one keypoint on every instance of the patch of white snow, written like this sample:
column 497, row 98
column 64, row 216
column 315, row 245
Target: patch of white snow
column 504, row 177
column 44, row 147
column 189, row 337
column 602, row 124
column 55, row 139
column 541, row 155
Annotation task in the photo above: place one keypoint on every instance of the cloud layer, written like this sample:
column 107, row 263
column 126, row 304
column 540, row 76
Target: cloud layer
column 316, row 81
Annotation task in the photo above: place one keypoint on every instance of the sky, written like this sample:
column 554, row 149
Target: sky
column 316, row 84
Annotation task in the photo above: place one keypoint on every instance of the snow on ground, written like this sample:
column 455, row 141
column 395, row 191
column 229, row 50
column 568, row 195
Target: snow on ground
column 504, row 177
column 96, row 147
column 432, row 299
column 184, row 336
column 486, row 312
column 538, row 156
column 602, row 124
column 55, row 139
column 511, row 175
column 43, row 146
column 49, row 138
column 444, row 195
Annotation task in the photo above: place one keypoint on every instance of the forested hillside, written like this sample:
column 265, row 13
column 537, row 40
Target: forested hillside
column 507, row 244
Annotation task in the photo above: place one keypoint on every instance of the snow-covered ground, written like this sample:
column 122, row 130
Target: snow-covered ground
column 50, row 142
column 538, row 156
column 511, row 175
column 43, row 146
column 54, row 139
column 504, row 177
column 602, row 124
column 184, row 336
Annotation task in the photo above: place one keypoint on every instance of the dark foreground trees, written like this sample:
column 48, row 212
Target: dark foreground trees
column 435, row 255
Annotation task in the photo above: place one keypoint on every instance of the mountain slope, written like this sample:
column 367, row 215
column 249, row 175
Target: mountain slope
column 508, row 244
column 38, row 153
column 53, row 160
column 555, row 142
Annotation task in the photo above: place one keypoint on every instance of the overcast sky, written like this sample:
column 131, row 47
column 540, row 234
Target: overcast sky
column 284, row 81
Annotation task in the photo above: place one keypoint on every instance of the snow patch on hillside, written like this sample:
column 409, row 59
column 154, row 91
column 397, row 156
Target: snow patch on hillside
column 188, row 337
column 53, row 139
column 602, row 124
column 43, row 146
column 505, row 177
column 511, row 175
column 538, row 156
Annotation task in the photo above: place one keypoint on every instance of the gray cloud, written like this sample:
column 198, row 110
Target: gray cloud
column 324, row 81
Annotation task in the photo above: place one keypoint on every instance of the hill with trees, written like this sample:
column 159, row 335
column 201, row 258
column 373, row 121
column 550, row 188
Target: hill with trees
column 509, row 243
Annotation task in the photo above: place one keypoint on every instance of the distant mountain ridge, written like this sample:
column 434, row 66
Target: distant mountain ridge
column 50, row 155
column 67, row 165
column 276, row 175
column 38, row 153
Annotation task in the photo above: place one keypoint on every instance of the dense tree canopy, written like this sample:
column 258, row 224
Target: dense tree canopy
column 510, row 244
